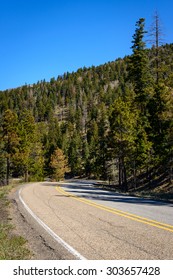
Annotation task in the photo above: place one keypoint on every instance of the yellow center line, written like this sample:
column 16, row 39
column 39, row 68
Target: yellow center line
column 128, row 215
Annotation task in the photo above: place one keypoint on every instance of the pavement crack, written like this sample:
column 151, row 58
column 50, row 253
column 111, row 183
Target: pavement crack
column 129, row 243
column 45, row 243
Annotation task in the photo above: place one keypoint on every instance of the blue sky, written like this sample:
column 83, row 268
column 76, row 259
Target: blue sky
column 41, row 39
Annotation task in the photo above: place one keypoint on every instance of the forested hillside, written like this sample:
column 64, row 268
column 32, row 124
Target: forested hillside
column 113, row 122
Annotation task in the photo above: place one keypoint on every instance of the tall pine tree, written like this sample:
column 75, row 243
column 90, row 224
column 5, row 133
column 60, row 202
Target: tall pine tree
column 9, row 139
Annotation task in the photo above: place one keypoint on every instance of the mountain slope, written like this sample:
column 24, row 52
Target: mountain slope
column 94, row 117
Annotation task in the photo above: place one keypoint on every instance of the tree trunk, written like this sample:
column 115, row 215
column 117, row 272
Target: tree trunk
column 122, row 175
column 170, row 169
column 120, row 172
column 124, row 185
column 26, row 175
column 8, row 171
column 134, row 175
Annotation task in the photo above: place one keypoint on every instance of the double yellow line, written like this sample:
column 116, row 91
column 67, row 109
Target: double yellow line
column 115, row 211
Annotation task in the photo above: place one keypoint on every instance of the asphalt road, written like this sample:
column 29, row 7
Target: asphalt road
column 91, row 223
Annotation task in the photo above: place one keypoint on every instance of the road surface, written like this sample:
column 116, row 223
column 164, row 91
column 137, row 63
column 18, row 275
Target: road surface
column 91, row 223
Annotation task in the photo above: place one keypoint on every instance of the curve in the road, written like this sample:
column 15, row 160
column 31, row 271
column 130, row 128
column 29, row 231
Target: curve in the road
column 137, row 218
column 52, row 233
column 77, row 217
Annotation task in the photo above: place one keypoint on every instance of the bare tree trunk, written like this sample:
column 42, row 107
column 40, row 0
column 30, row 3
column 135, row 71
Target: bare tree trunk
column 156, row 35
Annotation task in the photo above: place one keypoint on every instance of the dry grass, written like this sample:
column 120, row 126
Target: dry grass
column 12, row 247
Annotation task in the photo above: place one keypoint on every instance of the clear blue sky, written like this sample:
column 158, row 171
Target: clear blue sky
column 41, row 39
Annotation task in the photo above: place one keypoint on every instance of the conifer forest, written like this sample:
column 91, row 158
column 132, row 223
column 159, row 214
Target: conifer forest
column 112, row 122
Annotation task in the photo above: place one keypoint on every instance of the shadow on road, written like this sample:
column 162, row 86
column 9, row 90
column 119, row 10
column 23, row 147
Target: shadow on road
column 89, row 192
column 92, row 192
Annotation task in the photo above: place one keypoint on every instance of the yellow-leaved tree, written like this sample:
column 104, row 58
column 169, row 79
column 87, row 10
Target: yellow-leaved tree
column 59, row 165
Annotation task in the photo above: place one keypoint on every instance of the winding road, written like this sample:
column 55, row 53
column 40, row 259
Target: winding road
column 91, row 223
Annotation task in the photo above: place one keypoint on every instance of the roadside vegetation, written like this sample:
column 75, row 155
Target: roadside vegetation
column 12, row 247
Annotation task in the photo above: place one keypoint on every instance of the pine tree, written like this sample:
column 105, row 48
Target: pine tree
column 75, row 154
column 142, row 81
column 10, row 138
column 103, row 127
column 2, row 164
column 59, row 165
column 138, row 67
column 122, row 136
column 85, row 156
column 30, row 149
column 93, row 143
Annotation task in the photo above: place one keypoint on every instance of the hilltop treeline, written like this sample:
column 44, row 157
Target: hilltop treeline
column 112, row 122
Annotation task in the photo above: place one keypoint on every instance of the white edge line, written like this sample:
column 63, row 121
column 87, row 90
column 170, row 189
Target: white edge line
column 51, row 232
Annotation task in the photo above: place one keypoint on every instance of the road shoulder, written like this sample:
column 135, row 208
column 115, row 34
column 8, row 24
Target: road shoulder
column 41, row 245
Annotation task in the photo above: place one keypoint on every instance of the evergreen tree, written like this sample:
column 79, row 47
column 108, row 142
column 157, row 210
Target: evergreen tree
column 29, row 158
column 122, row 136
column 2, row 164
column 103, row 127
column 75, row 154
column 93, row 143
column 142, row 81
column 10, row 139
column 59, row 165
column 138, row 67
column 85, row 156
